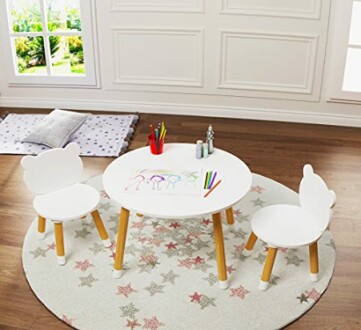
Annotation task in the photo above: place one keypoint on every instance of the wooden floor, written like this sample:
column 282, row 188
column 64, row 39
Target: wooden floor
column 276, row 150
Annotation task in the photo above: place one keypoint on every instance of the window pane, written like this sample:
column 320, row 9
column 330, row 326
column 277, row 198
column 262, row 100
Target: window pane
column 355, row 32
column 30, row 55
column 67, row 55
column 352, row 78
column 25, row 15
column 63, row 15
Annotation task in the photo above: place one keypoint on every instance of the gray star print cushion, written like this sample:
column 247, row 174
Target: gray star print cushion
column 56, row 128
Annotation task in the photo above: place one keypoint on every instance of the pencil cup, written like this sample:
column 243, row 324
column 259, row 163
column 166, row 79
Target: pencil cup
column 156, row 146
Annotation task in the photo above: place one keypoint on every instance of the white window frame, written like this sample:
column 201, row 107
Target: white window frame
column 89, row 79
column 338, row 53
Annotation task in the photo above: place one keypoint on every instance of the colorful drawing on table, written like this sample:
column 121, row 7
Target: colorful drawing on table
column 164, row 181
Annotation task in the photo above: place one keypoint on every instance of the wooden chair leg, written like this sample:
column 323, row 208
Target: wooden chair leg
column 252, row 239
column 314, row 261
column 59, row 242
column 41, row 227
column 101, row 229
column 220, row 254
column 230, row 218
column 267, row 270
column 121, row 239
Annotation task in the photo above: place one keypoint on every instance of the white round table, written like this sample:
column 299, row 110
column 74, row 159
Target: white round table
column 236, row 182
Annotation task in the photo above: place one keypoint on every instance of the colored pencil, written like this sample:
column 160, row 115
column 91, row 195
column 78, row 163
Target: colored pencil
column 152, row 131
column 214, row 187
column 211, row 184
column 205, row 182
column 209, row 179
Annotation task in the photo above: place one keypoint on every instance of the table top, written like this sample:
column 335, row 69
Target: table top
column 234, row 173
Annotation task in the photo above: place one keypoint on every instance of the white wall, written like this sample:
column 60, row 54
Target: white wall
column 256, row 59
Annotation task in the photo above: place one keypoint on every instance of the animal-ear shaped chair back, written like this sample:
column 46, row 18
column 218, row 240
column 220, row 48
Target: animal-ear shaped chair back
column 53, row 169
column 316, row 197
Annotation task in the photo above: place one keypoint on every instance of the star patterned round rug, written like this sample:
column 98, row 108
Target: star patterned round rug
column 170, row 278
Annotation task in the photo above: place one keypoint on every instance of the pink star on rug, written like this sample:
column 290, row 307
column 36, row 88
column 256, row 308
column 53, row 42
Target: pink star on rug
column 112, row 246
column 188, row 239
column 313, row 294
column 132, row 324
column 142, row 239
column 206, row 222
column 113, row 255
column 239, row 292
column 83, row 265
column 237, row 212
column 239, row 248
column 125, row 290
column 51, row 246
column 152, row 324
column 171, row 245
column 198, row 260
column 104, row 194
column 138, row 225
column 68, row 320
column 195, row 297
column 257, row 189
column 230, row 269
column 187, row 263
column 174, row 225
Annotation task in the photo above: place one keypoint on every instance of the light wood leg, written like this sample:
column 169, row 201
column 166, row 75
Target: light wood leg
column 267, row 270
column 219, row 245
column 59, row 242
column 121, row 239
column 101, row 229
column 230, row 216
column 41, row 226
column 314, row 261
column 252, row 239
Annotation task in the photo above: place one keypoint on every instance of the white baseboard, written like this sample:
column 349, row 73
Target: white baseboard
column 189, row 110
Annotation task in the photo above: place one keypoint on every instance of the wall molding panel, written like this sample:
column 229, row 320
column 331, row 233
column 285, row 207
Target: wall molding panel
column 180, row 6
column 268, row 8
column 164, row 57
column 267, row 71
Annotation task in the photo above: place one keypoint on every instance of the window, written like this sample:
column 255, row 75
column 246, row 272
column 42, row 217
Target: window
column 51, row 42
column 345, row 70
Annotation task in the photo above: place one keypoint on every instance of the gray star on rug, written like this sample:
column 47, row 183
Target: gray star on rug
column 258, row 202
column 87, row 280
column 243, row 217
column 207, row 301
column 211, row 279
column 332, row 244
column 303, row 298
column 38, row 252
column 169, row 277
column 90, row 224
column 129, row 311
column 83, row 233
column 201, row 244
column 147, row 268
column 97, row 248
column 172, row 252
column 261, row 258
column 131, row 249
column 202, row 266
column 154, row 288
column 105, row 206
column 155, row 223
column 239, row 233
column 238, row 256
column 211, row 255
column 114, row 229
column 293, row 259
column 187, row 251
column 274, row 280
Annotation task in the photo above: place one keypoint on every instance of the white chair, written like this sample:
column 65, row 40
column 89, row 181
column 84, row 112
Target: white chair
column 290, row 226
column 54, row 177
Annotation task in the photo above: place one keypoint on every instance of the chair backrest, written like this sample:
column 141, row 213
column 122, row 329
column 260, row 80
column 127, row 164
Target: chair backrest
column 316, row 197
column 53, row 169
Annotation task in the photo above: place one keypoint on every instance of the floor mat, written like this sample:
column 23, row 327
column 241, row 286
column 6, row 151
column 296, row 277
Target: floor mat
column 100, row 135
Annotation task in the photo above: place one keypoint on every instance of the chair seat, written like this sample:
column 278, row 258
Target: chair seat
column 67, row 204
column 285, row 226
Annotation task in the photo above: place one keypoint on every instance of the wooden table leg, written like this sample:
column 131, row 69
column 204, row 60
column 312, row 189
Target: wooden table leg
column 219, row 245
column 101, row 229
column 121, row 239
column 230, row 218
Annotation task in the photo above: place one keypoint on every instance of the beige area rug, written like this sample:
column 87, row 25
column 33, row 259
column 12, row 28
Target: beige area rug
column 170, row 280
